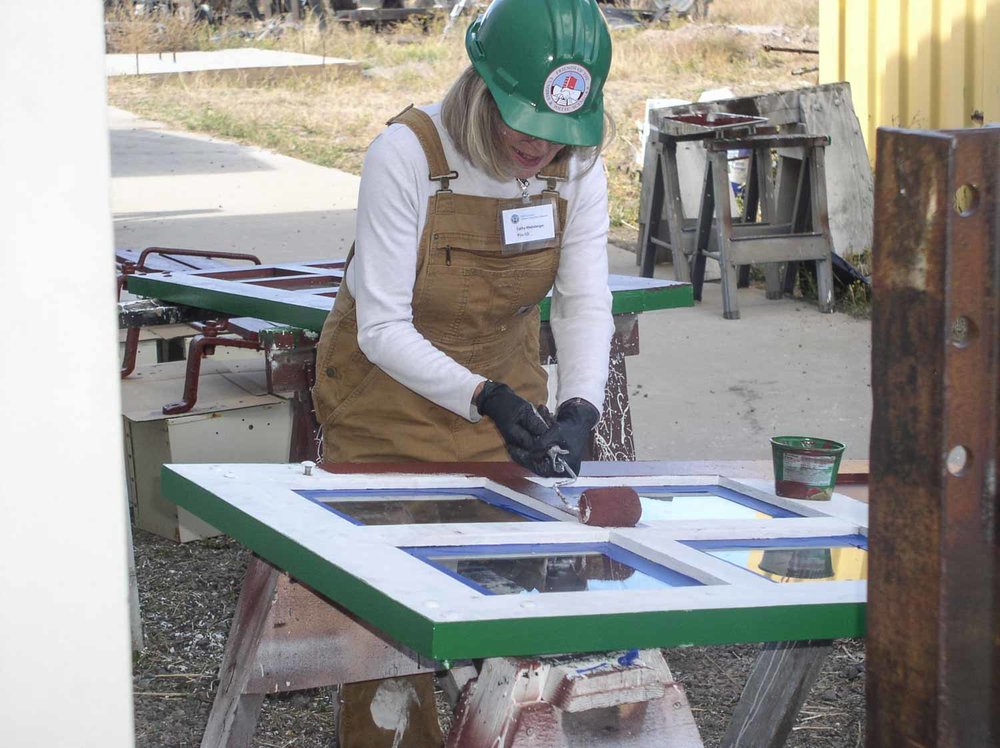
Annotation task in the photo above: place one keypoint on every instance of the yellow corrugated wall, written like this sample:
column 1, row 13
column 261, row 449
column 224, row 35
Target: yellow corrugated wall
column 913, row 63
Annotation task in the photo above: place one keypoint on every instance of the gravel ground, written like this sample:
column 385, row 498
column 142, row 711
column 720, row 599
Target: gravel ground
column 188, row 594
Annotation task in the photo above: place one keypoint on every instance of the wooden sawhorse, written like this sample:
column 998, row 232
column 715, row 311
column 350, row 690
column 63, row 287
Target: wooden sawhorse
column 798, row 229
column 284, row 637
column 793, row 220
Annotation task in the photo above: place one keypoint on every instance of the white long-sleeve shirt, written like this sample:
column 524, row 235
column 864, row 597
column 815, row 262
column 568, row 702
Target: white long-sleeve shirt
column 392, row 210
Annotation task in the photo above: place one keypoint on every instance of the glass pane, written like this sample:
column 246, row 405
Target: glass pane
column 822, row 564
column 428, row 509
column 658, row 506
column 578, row 572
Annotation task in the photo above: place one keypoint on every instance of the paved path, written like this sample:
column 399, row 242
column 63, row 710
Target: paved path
column 172, row 189
column 238, row 62
column 702, row 388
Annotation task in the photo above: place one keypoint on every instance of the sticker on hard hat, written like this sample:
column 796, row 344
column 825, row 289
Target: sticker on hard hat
column 566, row 88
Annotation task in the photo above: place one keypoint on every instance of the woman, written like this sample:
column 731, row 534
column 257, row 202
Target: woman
column 468, row 213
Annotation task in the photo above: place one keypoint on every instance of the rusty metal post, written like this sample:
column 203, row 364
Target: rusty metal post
column 934, row 629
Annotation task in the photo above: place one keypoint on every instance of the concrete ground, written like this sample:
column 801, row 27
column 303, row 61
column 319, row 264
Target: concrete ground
column 243, row 61
column 702, row 388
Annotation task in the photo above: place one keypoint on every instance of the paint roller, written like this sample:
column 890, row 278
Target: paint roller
column 610, row 506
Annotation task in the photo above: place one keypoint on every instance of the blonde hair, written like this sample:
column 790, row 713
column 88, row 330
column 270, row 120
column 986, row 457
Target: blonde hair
column 471, row 118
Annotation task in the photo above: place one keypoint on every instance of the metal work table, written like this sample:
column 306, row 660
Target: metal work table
column 295, row 299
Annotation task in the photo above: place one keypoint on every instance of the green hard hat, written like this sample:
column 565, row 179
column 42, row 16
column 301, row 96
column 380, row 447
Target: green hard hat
column 545, row 62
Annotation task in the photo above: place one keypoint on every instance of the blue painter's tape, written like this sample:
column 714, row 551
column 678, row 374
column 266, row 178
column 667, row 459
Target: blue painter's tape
column 832, row 541
column 650, row 568
column 321, row 496
column 726, row 493
column 819, row 542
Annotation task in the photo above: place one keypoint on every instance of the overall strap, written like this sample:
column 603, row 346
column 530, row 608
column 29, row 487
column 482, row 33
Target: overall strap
column 347, row 262
column 423, row 127
column 557, row 171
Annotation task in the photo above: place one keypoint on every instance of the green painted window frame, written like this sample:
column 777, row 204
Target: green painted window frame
column 234, row 292
column 254, row 504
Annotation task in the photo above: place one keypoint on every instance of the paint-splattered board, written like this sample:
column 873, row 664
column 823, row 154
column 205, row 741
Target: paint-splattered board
column 301, row 294
column 487, row 563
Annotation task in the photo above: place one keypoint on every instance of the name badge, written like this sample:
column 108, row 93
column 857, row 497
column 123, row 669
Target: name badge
column 531, row 222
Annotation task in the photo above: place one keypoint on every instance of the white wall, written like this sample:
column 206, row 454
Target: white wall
column 64, row 640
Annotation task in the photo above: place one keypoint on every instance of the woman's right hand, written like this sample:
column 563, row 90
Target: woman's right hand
column 517, row 420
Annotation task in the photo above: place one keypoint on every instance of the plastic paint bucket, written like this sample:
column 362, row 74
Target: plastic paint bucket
column 805, row 467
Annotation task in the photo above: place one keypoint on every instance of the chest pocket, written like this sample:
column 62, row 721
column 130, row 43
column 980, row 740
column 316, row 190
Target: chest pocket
column 467, row 289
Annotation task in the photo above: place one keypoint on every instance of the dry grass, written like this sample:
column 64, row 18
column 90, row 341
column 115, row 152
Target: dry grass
column 767, row 12
column 126, row 32
column 330, row 120
column 681, row 63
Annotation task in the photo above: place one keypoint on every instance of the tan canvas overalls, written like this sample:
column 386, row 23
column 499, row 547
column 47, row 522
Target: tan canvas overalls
column 474, row 303
column 480, row 307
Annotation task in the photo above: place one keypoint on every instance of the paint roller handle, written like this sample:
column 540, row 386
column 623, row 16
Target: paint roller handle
column 569, row 435
column 559, row 465
column 518, row 421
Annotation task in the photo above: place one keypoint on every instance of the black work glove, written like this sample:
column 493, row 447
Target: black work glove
column 570, row 432
column 517, row 420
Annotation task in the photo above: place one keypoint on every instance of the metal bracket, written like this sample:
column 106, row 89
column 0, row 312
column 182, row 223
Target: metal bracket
column 201, row 346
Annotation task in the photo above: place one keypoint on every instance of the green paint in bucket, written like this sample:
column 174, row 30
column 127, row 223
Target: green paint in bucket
column 805, row 467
